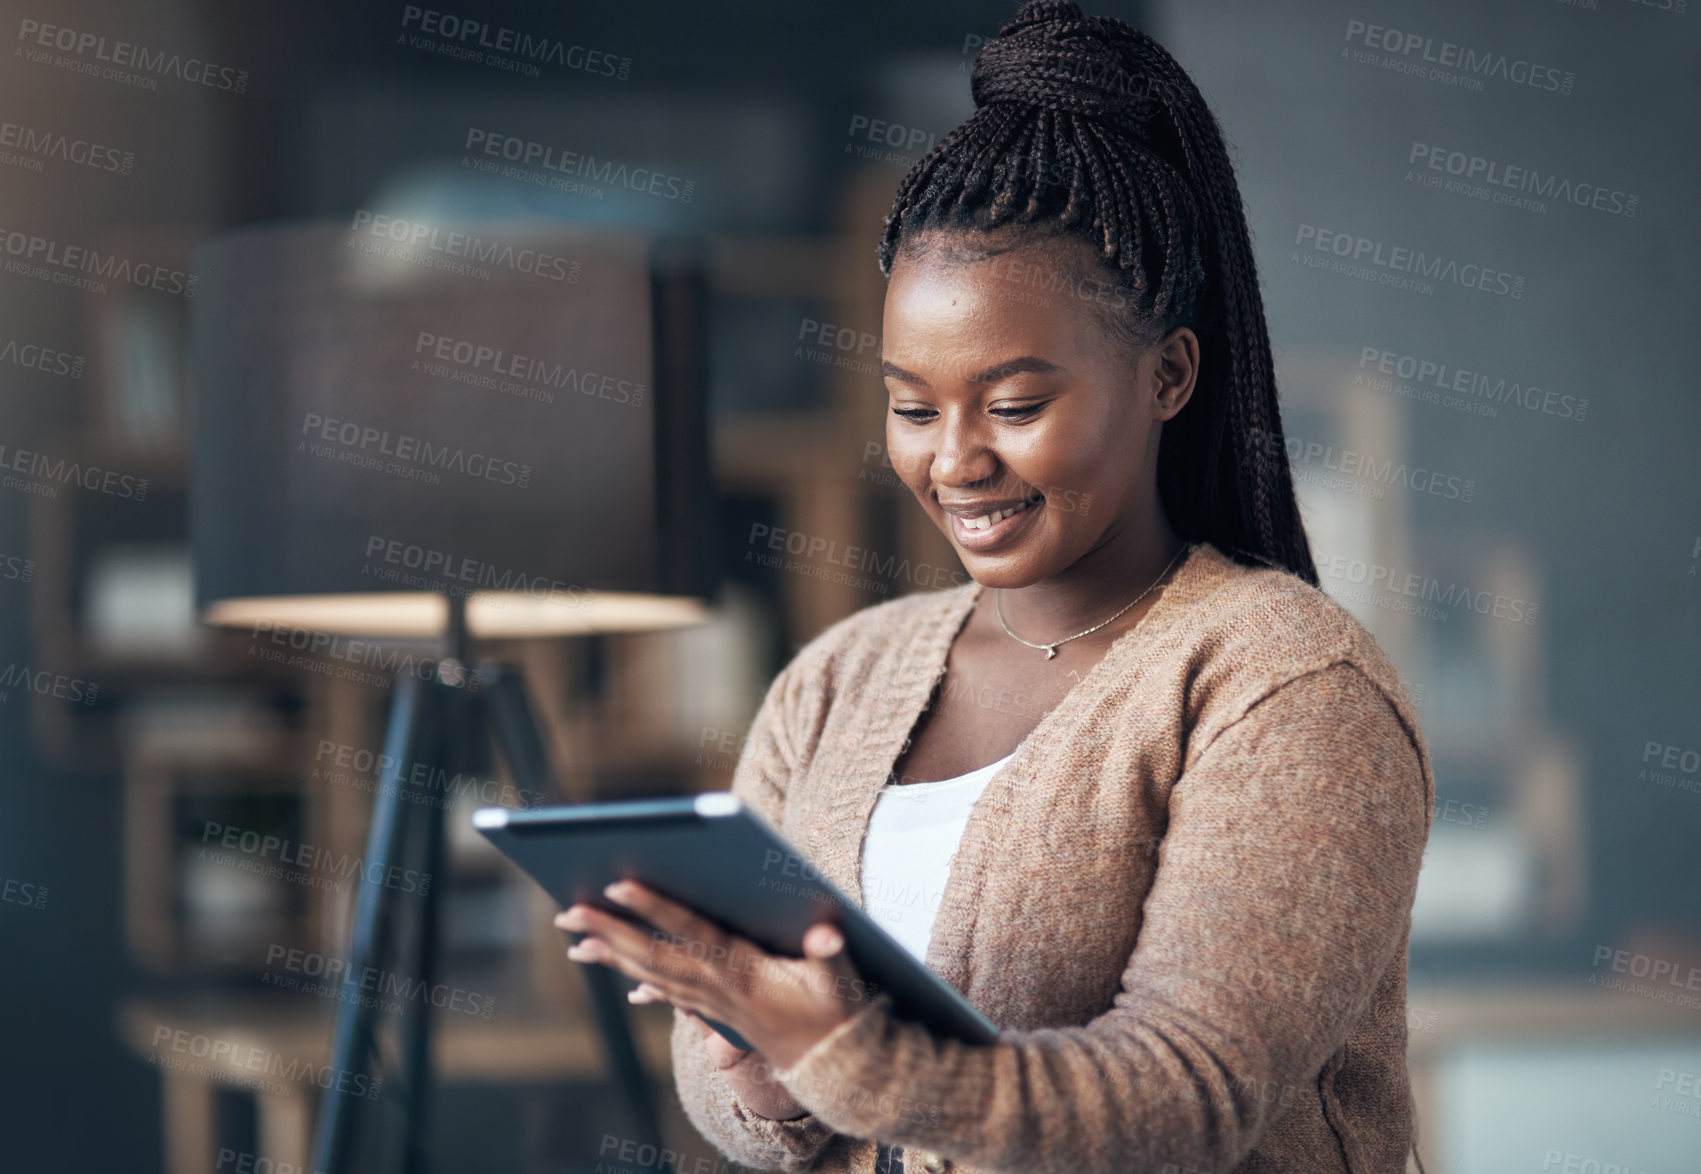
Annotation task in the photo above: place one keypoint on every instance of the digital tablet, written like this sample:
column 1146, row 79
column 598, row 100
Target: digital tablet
column 714, row 854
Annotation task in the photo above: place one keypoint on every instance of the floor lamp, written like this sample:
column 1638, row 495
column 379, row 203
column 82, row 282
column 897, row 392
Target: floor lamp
column 474, row 431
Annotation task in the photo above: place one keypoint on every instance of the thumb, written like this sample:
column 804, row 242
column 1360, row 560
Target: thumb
column 825, row 944
column 823, row 941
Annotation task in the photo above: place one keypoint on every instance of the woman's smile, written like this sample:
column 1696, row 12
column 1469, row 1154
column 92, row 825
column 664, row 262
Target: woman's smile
column 986, row 525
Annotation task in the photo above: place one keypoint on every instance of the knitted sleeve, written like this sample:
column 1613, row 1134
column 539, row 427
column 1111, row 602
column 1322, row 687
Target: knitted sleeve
column 1283, row 893
column 770, row 758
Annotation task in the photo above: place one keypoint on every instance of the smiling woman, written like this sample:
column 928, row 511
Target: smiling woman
column 1179, row 876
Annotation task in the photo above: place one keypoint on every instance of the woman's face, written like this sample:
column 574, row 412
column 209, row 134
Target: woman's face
column 1027, row 432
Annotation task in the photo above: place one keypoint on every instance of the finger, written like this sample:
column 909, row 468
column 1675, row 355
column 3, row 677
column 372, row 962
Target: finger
column 824, row 945
column 646, row 992
column 689, row 988
column 586, row 949
column 679, row 920
column 615, row 932
column 823, row 940
column 597, row 950
column 682, row 941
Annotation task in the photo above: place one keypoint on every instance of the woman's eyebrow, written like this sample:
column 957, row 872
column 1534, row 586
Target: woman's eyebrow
column 1011, row 367
column 1025, row 364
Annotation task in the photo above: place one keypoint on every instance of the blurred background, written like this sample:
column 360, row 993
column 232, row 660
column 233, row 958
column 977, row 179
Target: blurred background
column 1475, row 227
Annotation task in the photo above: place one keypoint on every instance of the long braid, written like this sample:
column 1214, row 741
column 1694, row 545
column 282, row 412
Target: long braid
column 1086, row 126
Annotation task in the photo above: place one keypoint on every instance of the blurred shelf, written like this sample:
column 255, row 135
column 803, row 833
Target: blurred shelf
column 1507, row 1012
column 508, row 1047
column 511, row 1049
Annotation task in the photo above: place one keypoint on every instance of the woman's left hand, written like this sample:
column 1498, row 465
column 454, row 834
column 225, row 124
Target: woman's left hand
column 782, row 1006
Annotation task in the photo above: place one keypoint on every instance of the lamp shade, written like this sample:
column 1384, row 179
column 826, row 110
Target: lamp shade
column 390, row 412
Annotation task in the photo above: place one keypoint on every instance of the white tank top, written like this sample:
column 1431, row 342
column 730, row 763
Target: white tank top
column 912, row 837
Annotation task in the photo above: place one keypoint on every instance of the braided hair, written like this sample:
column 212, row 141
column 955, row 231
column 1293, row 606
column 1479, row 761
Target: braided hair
column 1086, row 127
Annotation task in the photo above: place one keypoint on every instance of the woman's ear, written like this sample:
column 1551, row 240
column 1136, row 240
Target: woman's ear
column 1176, row 367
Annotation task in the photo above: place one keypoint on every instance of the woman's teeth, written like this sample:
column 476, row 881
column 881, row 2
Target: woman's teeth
column 986, row 520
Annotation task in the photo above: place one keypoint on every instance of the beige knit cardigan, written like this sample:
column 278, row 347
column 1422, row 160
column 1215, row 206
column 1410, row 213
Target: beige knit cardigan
column 1185, row 901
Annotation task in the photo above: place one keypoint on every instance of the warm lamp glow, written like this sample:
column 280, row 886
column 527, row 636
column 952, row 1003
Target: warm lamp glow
column 490, row 614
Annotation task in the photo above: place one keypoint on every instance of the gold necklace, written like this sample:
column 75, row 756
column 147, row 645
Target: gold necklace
column 1051, row 649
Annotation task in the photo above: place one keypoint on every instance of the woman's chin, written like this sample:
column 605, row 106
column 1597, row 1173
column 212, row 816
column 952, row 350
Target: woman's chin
column 1003, row 572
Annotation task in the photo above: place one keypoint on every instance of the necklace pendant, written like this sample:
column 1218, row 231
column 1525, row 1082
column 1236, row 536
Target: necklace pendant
column 1050, row 651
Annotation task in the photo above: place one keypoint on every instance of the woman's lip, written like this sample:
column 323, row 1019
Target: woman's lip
column 995, row 535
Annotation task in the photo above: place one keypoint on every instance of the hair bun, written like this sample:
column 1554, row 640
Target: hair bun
column 1053, row 56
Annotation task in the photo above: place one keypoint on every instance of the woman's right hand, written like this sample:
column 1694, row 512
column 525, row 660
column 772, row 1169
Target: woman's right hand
column 751, row 1077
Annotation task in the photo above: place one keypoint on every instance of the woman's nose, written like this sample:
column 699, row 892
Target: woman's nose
column 962, row 456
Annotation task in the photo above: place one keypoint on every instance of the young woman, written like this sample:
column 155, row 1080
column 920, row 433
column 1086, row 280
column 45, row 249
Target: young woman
column 1175, row 797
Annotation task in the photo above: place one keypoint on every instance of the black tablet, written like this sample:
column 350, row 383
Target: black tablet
column 714, row 854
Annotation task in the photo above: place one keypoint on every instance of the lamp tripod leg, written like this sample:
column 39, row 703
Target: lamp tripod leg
column 374, row 927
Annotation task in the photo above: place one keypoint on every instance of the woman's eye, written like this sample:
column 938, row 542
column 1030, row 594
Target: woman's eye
column 922, row 415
